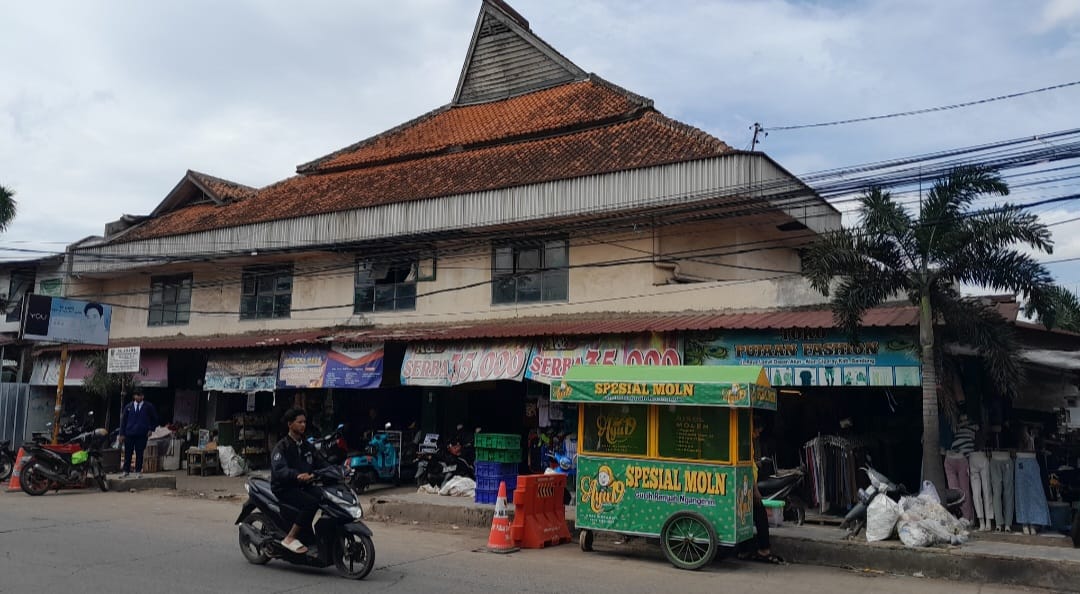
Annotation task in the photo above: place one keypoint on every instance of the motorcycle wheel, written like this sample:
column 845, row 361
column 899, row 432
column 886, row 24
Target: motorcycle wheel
column 355, row 556
column 99, row 476
column 252, row 552
column 6, row 466
column 32, row 481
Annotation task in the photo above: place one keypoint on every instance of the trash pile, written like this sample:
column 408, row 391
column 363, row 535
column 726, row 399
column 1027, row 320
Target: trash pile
column 919, row 521
column 458, row 486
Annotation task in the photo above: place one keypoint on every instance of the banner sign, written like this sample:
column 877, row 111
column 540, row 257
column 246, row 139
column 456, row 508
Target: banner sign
column 814, row 356
column 254, row 372
column 123, row 360
column 731, row 386
column 551, row 358
column 636, row 496
column 153, row 371
column 67, row 321
column 357, row 366
column 437, row 364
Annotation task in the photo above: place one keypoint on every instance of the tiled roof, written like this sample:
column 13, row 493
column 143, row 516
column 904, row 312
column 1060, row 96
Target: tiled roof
column 223, row 188
column 649, row 140
column 562, row 108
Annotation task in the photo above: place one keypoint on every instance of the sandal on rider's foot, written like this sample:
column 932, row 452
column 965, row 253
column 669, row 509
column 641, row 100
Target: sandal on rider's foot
column 770, row 558
column 295, row 546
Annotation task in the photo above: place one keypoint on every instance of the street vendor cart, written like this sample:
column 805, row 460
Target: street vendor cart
column 665, row 452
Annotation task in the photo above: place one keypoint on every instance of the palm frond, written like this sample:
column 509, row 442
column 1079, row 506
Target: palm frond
column 1064, row 304
column 973, row 323
column 946, row 204
column 7, row 207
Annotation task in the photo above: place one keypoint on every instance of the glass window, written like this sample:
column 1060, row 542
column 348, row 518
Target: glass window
column 266, row 292
column 695, row 433
column 616, row 429
column 530, row 272
column 170, row 300
column 385, row 286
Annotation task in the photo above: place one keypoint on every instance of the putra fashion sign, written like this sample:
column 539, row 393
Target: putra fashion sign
column 67, row 321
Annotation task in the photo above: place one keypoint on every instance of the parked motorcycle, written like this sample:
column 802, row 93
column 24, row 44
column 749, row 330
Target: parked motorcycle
column 855, row 520
column 379, row 463
column 333, row 447
column 562, row 464
column 7, row 460
column 778, row 485
column 339, row 538
column 46, row 469
column 447, row 464
column 427, row 453
column 70, row 427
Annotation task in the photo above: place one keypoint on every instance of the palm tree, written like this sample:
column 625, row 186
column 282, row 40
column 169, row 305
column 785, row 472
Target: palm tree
column 1066, row 307
column 7, row 207
column 926, row 258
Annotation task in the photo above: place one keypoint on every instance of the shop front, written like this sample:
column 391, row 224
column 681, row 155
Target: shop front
column 839, row 404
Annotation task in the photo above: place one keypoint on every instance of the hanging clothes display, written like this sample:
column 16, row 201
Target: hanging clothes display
column 831, row 465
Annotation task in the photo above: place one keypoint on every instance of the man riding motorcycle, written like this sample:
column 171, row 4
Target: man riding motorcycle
column 292, row 463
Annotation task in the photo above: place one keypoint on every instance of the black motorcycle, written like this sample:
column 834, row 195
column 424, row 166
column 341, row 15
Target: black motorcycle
column 339, row 538
column 46, row 469
column 778, row 485
column 333, row 447
column 7, row 460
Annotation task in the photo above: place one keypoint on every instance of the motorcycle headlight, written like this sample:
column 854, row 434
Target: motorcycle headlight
column 355, row 511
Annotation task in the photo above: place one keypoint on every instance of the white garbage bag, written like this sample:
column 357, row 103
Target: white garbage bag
column 232, row 464
column 881, row 517
column 459, row 486
column 929, row 491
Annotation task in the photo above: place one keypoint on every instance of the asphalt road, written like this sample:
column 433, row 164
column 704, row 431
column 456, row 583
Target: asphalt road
column 153, row 542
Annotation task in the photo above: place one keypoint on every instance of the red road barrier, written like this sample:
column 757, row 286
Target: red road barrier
column 539, row 513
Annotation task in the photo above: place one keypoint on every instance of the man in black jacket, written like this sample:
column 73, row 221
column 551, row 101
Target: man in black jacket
column 291, row 466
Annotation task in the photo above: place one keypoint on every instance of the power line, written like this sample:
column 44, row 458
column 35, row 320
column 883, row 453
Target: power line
column 921, row 111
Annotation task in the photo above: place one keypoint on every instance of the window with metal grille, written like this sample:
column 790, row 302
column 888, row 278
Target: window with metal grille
column 266, row 292
column 530, row 272
column 170, row 300
column 385, row 285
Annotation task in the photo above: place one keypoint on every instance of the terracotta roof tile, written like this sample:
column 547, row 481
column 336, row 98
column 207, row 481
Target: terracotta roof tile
column 223, row 188
column 649, row 140
column 567, row 106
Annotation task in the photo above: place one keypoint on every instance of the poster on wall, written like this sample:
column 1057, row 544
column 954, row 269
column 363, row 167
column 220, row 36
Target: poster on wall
column 551, row 357
column 250, row 372
column 153, row 371
column 439, row 364
column 813, row 356
column 343, row 365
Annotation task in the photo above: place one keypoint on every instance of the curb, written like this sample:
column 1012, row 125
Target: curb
column 142, row 484
column 938, row 563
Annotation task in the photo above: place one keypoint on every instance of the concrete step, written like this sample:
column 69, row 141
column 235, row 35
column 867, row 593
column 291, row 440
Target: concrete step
column 148, row 481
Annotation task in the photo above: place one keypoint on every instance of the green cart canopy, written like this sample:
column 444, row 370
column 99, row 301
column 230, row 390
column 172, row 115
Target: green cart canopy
column 736, row 386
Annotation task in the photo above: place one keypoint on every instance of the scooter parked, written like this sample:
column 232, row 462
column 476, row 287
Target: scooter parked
column 7, row 460
column 778, row 485
column 378, row 464
column 46, row 469
column 562, row 464
column 333, row 447
column 339, row 538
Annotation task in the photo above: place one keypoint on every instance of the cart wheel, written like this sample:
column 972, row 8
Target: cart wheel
column 585, row 539
column 688, row 540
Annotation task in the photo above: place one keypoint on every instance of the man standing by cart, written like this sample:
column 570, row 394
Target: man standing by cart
column 763, row 552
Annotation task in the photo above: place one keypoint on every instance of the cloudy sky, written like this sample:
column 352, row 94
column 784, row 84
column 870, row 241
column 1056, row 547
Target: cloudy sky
column 104, row 105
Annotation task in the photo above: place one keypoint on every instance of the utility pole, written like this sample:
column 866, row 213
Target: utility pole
column 758, row 129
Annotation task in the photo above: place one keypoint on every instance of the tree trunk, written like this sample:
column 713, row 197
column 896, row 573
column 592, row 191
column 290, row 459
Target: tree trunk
column 932, row 466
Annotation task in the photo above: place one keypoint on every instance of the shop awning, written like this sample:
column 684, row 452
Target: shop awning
column 739, row 386
column 233, row 341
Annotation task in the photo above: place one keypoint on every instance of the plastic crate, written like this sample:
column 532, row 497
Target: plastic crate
column 492, row 483
column 487, row 455
column 496, row 469
column 486, row 496
column 497, row 441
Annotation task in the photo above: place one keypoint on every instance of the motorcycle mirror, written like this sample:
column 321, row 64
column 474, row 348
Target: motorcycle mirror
column 388, row 426
column 49, row 424
column 341, row 426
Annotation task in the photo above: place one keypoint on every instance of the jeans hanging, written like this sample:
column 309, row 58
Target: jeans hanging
column 1001, row 481
column 1031, row 507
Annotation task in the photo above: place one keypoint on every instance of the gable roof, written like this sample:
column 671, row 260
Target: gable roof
column 196, row 187
column 506, row 59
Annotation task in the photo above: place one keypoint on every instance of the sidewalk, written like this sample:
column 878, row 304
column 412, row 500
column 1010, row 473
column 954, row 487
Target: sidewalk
column 1043, row 561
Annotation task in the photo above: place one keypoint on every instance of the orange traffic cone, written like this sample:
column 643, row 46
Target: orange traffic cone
column 14, row 484
column 499, row 540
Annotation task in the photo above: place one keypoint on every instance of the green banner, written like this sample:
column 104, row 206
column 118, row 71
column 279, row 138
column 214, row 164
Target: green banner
column 734, row 386
column 638, row 496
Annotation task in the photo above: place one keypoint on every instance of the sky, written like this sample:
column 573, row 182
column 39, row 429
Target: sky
column 105, row 105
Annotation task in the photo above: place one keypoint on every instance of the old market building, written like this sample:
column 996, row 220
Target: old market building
column 446, row 271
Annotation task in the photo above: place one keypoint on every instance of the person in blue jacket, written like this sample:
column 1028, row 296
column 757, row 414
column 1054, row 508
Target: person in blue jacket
column 136, row 424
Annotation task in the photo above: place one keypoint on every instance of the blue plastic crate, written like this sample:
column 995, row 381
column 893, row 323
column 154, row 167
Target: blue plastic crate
column 486, row 496
column 496, row 469
column 492, row 483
